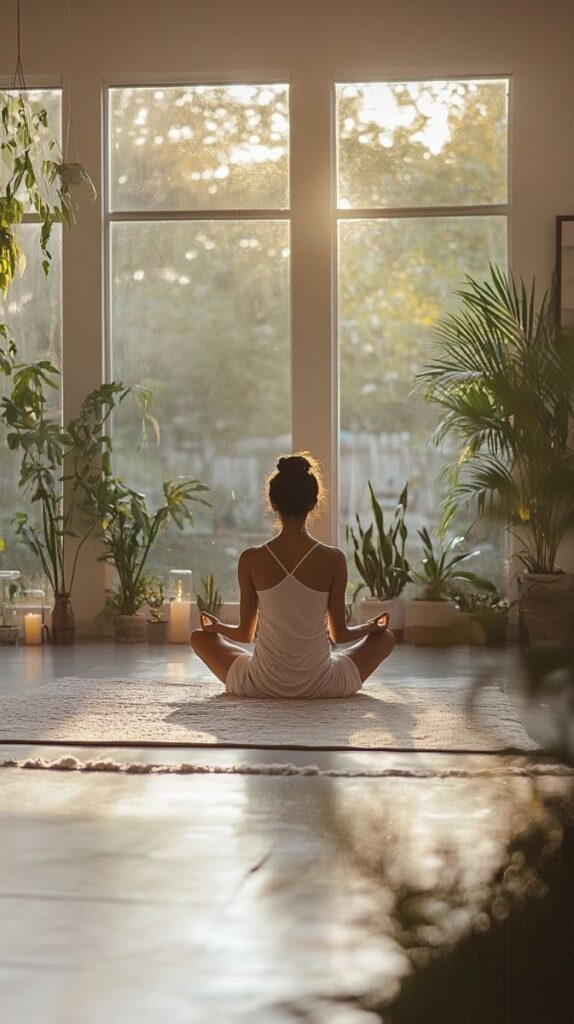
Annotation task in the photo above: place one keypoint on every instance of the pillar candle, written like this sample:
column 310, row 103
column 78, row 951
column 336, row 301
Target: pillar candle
column 33, row 628
column 179, row 622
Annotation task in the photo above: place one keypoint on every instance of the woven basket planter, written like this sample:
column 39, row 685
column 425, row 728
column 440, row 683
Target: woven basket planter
column 546, row 609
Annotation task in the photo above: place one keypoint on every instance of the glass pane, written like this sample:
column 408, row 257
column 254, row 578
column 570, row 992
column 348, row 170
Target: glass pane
column 200, row 314
column 395, row 278
column 33, row 312
column 199, row 147
column 403, row 144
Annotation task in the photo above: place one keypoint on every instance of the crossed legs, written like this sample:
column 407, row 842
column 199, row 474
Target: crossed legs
column 215, row 651
column 370, row 652
column 218, row 654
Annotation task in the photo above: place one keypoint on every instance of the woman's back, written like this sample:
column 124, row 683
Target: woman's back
column 293, row 598
column 311, row 562
column 292, row 656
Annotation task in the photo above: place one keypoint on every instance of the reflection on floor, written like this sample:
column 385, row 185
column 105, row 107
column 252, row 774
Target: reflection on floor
column 280, row 899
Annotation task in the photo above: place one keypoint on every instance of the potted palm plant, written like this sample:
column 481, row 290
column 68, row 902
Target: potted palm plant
column 503, row 374
column 379, row 555
column 128, row 531
column 433, row 617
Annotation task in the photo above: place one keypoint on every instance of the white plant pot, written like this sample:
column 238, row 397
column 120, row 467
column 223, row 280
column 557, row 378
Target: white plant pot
column 369, row 607
column 434, row 623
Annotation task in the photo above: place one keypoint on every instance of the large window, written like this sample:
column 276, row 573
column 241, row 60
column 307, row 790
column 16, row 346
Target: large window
column 33, row 313
column 198, row 218
column 422, row 201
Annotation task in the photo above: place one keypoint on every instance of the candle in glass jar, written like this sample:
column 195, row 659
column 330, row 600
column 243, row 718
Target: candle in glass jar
column 33, row 628
column 179, row 621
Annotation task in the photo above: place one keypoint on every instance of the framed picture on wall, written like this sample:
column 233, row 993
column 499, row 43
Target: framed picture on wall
column 565, row 270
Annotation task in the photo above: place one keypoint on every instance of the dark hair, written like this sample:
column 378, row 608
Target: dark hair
column 295, row 488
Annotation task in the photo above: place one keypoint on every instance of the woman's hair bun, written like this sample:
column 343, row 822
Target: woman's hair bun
column 295, row 488
column 293, row 465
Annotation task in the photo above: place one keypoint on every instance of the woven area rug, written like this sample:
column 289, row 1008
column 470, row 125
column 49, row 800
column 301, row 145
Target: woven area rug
column 121, row 712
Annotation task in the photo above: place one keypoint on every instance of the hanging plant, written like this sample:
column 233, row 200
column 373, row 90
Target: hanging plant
column 35, row 175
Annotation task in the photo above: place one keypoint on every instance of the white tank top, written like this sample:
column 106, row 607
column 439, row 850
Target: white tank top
column 292, row 651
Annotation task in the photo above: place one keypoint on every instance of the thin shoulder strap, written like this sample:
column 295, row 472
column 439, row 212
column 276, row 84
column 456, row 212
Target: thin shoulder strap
column 277, row 560
column 316, row 545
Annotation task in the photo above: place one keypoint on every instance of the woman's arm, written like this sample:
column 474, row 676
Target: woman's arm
column 245, row 631
column 339, row 632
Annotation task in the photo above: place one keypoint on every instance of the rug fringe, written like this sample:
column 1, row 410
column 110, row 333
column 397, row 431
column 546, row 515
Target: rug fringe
column 73, row 764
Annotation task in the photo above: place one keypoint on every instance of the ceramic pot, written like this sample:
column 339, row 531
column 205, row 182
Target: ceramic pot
column 157, row 631
column 369, row 607
column 434, row 623
column 546, row 609
column 130, row 629
column 63, row 624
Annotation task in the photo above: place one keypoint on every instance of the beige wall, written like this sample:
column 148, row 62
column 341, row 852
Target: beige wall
column 308, row 42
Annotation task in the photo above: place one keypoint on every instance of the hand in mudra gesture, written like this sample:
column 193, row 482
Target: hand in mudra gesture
column 209, row 623
column 378, row 624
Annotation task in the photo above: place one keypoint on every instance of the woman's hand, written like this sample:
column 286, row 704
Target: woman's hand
column 378, row 624
column 209, row 623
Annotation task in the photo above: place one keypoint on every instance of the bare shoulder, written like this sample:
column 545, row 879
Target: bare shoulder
column 332, row 552
column 252, row 558
column 248, row 558
column 332, row 556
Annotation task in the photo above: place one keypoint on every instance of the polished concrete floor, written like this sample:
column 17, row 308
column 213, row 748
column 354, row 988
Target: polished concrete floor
column 265, row 899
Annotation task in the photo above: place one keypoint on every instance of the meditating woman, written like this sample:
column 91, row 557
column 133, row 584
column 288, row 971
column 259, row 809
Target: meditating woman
column 292, row 588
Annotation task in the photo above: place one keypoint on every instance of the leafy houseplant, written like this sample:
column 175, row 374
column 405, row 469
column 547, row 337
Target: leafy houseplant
column 32, row 172
column 440, row 570
column 33, row 169
column 210, row 600
column 491, row 615
column 154, row 598
column 9, row 587
column 432, row 617
column 503, row 375
column 156, row 624
column 487, row 615
column 379, row 555
column 128, row 532
column 56, row 465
